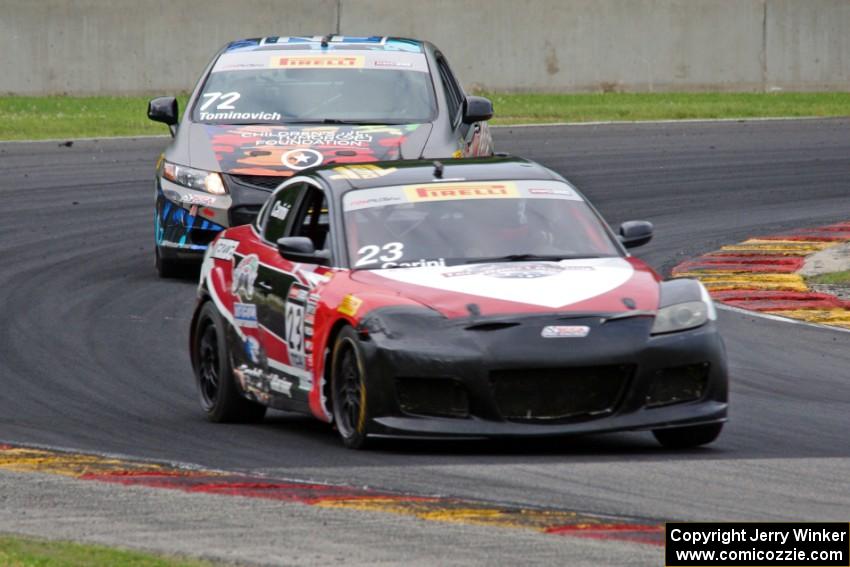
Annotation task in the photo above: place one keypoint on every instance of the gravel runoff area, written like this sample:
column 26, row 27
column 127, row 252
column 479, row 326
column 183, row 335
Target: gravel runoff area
column 255, row 532
column 831, row 260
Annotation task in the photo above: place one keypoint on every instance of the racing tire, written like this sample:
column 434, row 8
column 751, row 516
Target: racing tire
column 165, row 267
column 219, row 394
column 349, row 398
column 688, row 437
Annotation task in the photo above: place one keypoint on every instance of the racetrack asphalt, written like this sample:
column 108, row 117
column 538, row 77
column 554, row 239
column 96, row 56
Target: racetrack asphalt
column 93, row 346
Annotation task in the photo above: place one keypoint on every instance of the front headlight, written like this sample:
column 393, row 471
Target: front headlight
column 197, row 179
column 687, row 315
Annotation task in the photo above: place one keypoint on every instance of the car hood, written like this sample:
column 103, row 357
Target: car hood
column 287, row 149
column 603, row 285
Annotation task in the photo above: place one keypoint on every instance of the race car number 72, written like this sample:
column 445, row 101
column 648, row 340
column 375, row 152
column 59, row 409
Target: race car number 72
column 227, row 100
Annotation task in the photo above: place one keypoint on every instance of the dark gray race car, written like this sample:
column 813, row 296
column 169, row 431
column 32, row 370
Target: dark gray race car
column 266, row 109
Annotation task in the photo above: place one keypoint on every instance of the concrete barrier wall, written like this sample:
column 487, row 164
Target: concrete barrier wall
column 135, row 46
column 147, row 46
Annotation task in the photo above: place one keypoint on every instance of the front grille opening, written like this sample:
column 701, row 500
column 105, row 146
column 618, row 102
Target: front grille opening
column 264, row 182
column 559, row 393
column 203, row 237
column 243, row 214
column 678, row 384
column 436, row 397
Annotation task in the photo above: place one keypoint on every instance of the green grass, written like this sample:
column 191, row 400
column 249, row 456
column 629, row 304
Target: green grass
column 23, row 118
column 833, row 278
column 34, row 118
column 31, row 552
column 531, row 108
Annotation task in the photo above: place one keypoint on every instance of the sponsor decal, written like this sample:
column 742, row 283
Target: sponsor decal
column 224, row 248
column 301, row 158
column 317, row 62
column 421, row 263
column 244, row 276
column 362, row 172
column 457, row 154
column 378, row 201
column 311, row 309
column 280, row 385
column 257, row 149
column 444, row 192
column 245, row 315
column 314, row 279
column 528, row 270
column 565, row 331
column 280, row 210
column 253, row 350
column 385, row 63
column 253, row 382
column 298, row 293
column 234, row 115
column 349, row 305
column 195, row 199
column 309, row 137
column 559, row 192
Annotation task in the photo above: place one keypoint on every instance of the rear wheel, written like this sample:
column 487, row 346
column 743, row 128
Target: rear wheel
column 688, row 437
column 348, row 387
column 219, row 394
column 166, row 267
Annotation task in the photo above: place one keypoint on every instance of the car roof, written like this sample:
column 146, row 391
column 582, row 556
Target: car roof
column 342, row 177
column 329, row 42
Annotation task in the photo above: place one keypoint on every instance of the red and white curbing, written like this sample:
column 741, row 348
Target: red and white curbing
column 762, row 274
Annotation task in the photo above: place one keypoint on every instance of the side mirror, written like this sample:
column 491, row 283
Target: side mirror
column 477, row 109
column 635, row 233
column 301, row 249
column 164, row 109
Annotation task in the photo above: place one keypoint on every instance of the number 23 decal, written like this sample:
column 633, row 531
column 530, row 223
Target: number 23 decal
column 369, row 254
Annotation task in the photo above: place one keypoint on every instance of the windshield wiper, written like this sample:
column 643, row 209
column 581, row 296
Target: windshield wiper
column 316, row 121
column 530, row 258
column 238, row 123
column 346, row 122
column 360, row 122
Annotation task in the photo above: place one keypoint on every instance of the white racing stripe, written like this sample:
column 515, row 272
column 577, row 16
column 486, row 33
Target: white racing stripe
column 546, row 284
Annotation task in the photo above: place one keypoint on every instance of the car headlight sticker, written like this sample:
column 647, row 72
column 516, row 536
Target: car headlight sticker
column 197, row 179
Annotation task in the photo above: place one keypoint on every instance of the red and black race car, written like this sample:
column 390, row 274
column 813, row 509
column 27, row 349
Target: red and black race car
column 478, row 298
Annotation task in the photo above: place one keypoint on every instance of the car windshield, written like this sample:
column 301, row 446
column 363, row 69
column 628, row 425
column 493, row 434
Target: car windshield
column 448, row 223
column 275, row 87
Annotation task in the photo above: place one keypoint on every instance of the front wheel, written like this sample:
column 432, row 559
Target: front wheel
column 688, row 437
column 220, row 397
column 348, row 390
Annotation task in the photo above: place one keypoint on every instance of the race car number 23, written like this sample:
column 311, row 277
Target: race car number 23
column 372, row 253
column 295, row 332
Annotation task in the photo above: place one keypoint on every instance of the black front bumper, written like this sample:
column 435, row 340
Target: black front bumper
column 465, row 374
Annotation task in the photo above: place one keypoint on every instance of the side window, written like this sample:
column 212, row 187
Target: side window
column 278, row 214
column 454, row 94
column 313, row 220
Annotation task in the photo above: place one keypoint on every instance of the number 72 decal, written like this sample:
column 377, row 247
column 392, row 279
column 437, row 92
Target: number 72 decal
column 227, row 100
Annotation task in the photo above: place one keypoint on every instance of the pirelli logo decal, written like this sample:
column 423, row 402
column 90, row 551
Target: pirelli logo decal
column 318, row 61
column 441, row 192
